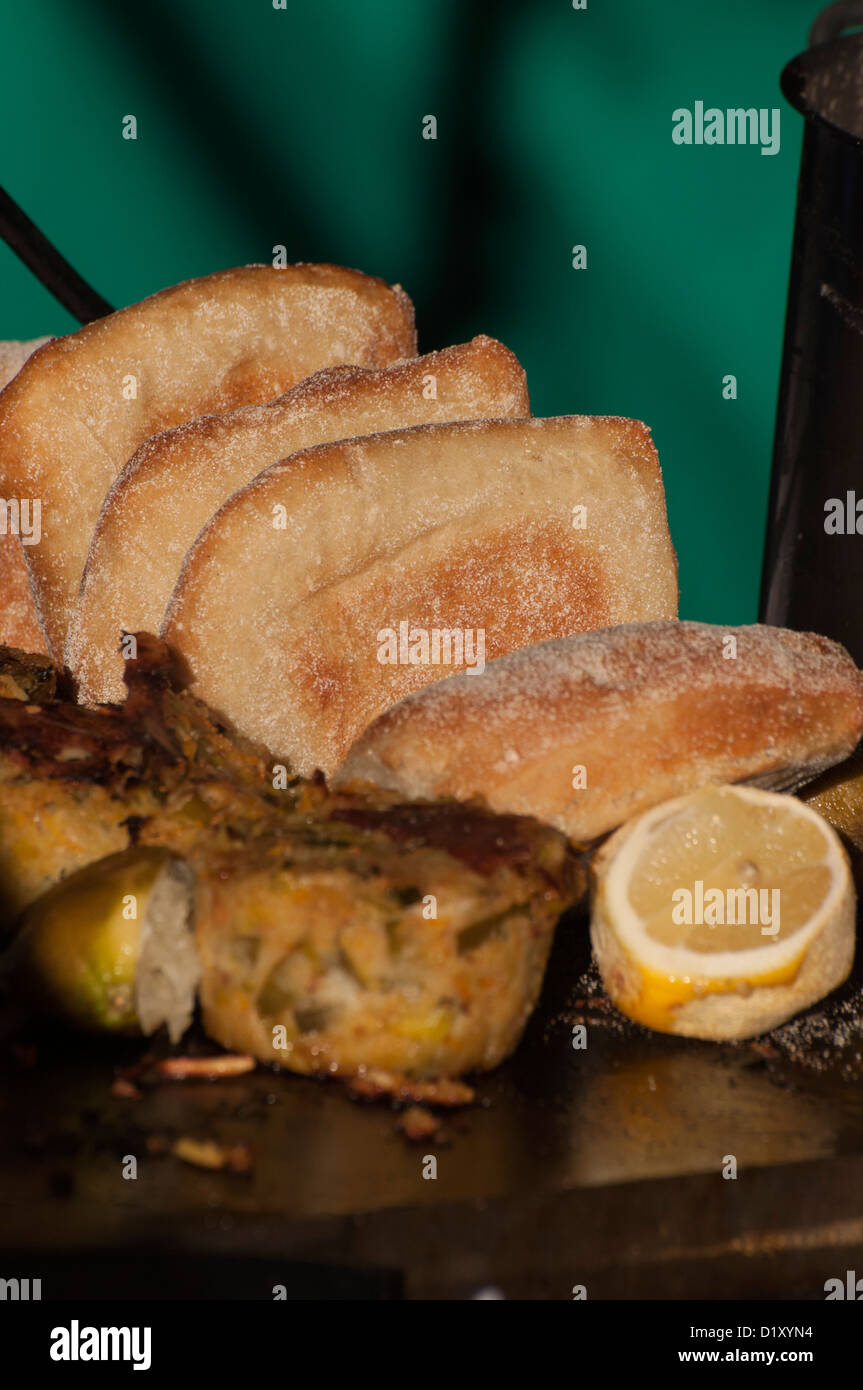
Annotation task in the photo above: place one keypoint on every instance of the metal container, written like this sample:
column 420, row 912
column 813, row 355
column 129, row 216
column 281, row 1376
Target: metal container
column 813, row 562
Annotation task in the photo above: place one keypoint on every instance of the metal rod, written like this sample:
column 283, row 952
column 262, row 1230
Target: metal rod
column 46, row 263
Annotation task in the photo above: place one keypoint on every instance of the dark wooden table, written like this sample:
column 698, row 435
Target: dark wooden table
column 599, row 1167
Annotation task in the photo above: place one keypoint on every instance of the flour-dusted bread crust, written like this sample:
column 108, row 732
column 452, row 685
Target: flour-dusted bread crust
column 13, row 355
column 176, row 481
column 19, row 620
column 463, row 528
column 80, row 407
column 648, row 711
column 19, row 623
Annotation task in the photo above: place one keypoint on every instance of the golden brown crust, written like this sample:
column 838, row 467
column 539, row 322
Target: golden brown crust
column 13, row 355
column 398, row 956
column 649, row 711
column 19, row 623
column 19, row 619
column 463, row 528
column 69, row 420
column 177, row 480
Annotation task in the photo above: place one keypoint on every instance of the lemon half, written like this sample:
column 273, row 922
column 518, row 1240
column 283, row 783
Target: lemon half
column 722, row 913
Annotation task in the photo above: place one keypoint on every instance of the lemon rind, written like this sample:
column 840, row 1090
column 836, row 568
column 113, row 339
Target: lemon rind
column 747, row 965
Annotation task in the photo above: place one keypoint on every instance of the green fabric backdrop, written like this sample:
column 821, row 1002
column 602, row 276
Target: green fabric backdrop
column 303, row 126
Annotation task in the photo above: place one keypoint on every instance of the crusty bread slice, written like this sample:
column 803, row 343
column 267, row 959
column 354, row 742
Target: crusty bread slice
column 14, row 354
column 589, row 731
column 176, row 481
column 19, row 622
column 301, row 608
column 81, row 405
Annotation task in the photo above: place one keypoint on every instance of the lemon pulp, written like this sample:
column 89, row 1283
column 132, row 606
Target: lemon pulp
column 727, row 843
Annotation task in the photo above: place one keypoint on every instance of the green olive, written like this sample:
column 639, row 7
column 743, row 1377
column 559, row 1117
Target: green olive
column 84, row 945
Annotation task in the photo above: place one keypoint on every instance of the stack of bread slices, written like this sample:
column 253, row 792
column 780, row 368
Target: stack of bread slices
column 258, row 465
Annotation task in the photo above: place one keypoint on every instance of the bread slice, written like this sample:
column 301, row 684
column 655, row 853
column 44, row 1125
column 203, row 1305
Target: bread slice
column 81, row 405
column 19, row 622
column 589, row 731
column 312, row 600
column 176, row 481
column 14, row 354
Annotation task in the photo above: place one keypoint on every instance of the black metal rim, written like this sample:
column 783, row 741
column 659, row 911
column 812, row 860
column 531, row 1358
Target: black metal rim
column 794, row 77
